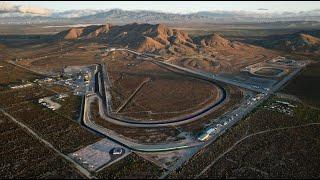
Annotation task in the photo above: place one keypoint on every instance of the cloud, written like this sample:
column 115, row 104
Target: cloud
column 6, row 7
column 34, row 10
column 263, row 9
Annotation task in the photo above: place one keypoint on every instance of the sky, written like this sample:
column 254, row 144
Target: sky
column 179, row 6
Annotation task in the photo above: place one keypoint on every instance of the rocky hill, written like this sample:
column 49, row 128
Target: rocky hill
column 300, row 42
column 213, row 40
column 149, row 38
column 88, row 32
column 142, row 37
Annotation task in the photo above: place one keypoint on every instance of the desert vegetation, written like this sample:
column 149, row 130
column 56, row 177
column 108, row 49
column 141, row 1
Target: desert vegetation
column 132, row 167
column 261, row 119
column 65, row 134
column 305, row 86
column 24, row 156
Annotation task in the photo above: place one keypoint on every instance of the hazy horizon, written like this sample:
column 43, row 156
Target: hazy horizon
column 175, row 6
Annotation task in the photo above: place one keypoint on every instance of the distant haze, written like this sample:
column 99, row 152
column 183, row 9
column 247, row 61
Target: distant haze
column 176, row 6
column 95, row 12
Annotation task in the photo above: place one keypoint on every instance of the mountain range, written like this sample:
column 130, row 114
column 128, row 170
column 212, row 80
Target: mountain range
column 30, row 15
column 149, row 38
column 160, row 38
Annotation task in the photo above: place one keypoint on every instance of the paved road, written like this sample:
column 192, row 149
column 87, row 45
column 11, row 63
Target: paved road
column 127, row 143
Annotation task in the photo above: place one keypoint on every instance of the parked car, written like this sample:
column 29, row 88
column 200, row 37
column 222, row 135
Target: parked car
column 117, row 151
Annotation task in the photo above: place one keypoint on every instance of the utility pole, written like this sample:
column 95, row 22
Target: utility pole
column 60, row 46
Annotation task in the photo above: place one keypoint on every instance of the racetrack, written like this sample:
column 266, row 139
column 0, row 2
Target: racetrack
column 268, row 71
column 129, row 121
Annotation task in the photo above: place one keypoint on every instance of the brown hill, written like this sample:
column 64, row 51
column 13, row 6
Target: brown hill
column 218, row 42
column 309, row 40
column 99, row 31
column 148, row 45
column 148, row 37
column 151, row 38
column 142, row 37
column 82, row 32
column 213, row 40
column 297, row 42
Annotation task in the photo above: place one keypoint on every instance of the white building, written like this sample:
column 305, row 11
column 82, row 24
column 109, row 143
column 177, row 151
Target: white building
column 21, row 86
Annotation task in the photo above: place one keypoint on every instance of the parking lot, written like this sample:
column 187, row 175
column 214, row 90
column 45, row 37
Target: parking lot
column 100, row 154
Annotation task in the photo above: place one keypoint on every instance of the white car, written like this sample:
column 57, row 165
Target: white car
column 117, row 151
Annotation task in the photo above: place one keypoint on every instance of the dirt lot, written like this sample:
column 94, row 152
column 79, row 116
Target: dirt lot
column 174, row 99
column 122, row 89
column 22, row 156
column 166, row 94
